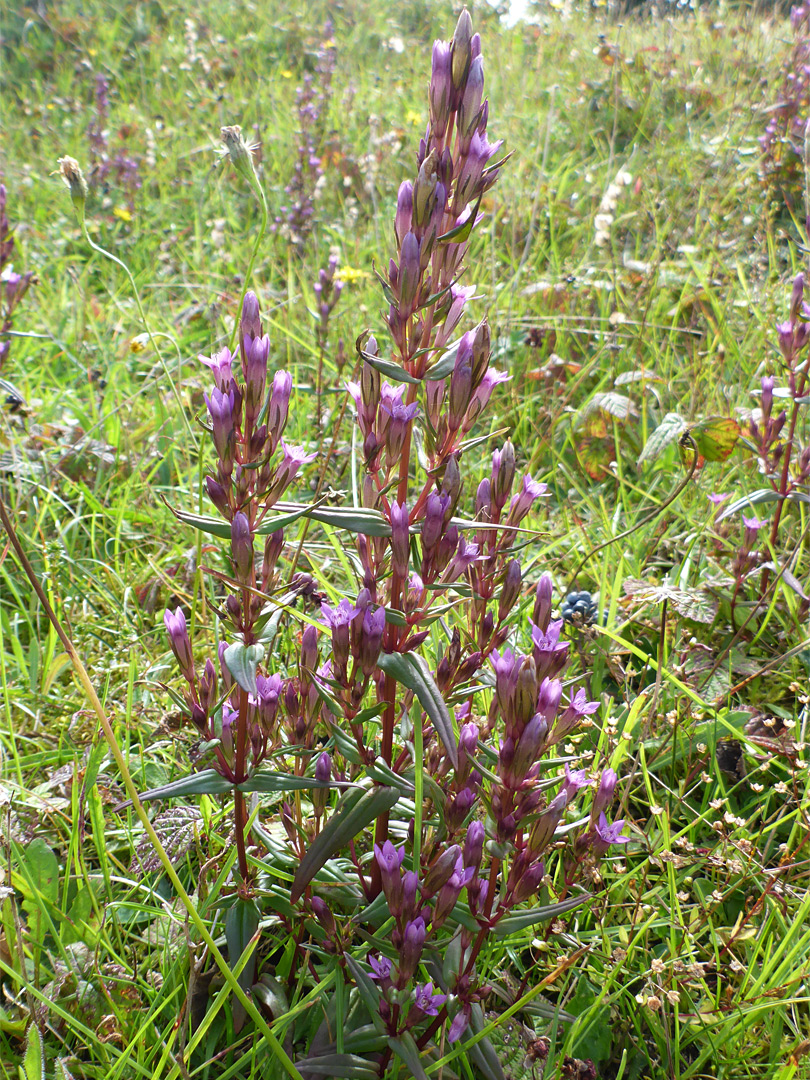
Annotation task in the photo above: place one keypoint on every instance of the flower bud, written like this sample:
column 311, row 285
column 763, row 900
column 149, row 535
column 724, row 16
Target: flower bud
column 604, row 793
column 440, row 88
column 525, row 699
column 400, row 539
column 510, row 589
column 242, row 547
column 424, row 192
column 440, row 871
column 279, row 407
column 323, row 774
column 542, row 603
column 404, row 216
column 503, row 474
column 179, row 640
column 461, row 56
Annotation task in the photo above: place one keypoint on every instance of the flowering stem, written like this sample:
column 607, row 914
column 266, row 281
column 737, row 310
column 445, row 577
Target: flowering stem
column 784, row 479
column 137, row 805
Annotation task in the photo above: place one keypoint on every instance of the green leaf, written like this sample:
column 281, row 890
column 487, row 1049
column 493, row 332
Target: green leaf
column 207, row 782
column 410, row 670
column 483, row 1054
column 241, row 923
column 444, row 365
column 462, row 232
column 266, row 782
column 33, row 1066
column 715, row 437
column 668, row 431
column 359, row 809
column 349, row 1065
column 756, row 498
column 389, row 368
column 368, row 989
column 408, row 1052
column 520, row 920
column 242, row 661
column 354, row 518
column 215, row 526
column 43, row 870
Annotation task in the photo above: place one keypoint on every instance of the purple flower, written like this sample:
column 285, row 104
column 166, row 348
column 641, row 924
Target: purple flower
column 550, row 654
column 287, row 470
column 522, row 503
column 220, row 365
column 426, row 1001
column 574, row 782
column 380, row 968
column 465, row 556
column 339, row 620
column 605, row 834
column 441, row 88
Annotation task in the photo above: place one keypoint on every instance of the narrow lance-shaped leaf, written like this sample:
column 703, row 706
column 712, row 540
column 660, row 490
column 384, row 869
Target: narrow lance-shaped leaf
column 520, row 920
column 389, row 368
column 368, row 989
column 358, row 811
column 408, row 1052
column 241, row 923
column 351, row 1066
column 412, row 672
column 207, row 782
column 355, row 519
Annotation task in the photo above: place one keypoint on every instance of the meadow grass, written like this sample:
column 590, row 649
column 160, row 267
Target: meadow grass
column 692, row 961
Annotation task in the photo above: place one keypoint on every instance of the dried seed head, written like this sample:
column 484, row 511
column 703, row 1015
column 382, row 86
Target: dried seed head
column 74, row 178
column 240, row 153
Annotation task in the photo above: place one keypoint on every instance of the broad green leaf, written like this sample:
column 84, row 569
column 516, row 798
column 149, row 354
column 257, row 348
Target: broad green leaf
column 668, row 432
column 33, row 1066
column 411, row 671
column 520, row 920
column 756, row 498
column 242, row 661
column 368, row 989
column 349, row 1065
column 715, row 437
column 408, row 1052
column 43, row 870
column 359, row 810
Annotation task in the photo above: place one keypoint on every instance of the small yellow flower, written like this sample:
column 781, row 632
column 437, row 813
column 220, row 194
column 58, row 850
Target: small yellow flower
column 122, row 213
column 138, row 344
column 413, row 117
column 285, row 73
column 350, row 275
